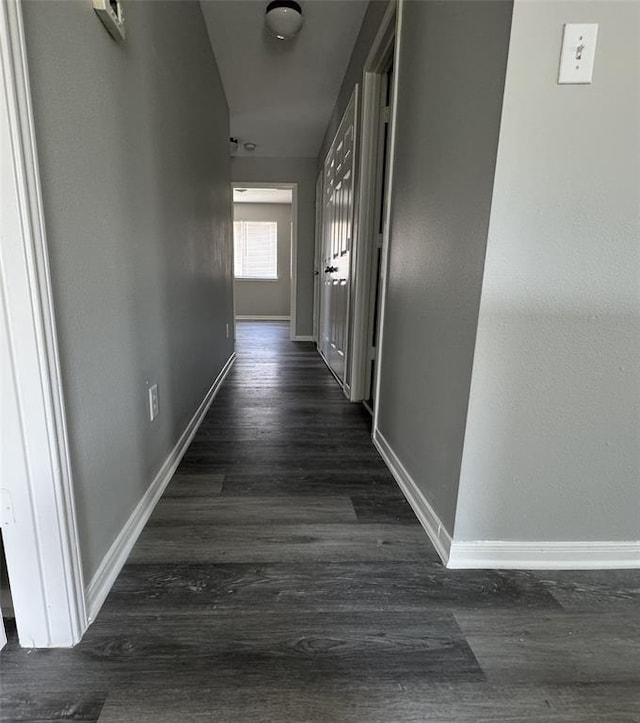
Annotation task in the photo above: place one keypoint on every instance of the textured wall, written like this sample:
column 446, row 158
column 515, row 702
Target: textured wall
column 448, row 118
column 268, row 297
column 552, row 447
column 133, row 144
column 303, row 172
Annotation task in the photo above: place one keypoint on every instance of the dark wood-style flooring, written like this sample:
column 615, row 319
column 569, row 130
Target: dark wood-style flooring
column 283, row 578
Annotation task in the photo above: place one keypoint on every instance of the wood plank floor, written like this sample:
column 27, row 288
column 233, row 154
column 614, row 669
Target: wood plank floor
column 283, row 578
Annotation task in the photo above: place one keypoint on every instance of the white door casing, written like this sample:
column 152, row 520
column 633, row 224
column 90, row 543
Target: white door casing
column 368, row 234
column 317, row 260
column 37, row 509
column 3, row 634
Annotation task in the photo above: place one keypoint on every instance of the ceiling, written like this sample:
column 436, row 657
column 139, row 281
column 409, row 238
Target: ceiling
column 281, row 93
column 263, row 195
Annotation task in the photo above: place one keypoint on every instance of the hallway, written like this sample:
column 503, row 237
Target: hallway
column 284, row 578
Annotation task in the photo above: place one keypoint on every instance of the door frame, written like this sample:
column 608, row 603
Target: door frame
column 3, row 634
column 345, row 382
column 37, row 510
column 374, row 68
column 293, row 187
column 317, row 258
column 386, row 234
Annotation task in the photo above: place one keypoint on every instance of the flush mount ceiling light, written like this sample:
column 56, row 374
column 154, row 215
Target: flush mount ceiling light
column 284, row 18
column 250, row 146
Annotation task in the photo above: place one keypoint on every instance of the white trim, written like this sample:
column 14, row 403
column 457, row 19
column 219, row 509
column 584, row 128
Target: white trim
column 364, row 234
column 38, row 510
column 293, row 300
column 304, row 337
column 117, row 555
column 383, row 36
column 294, row 251
column 386, row 237
column 544, row 555
column 262, row 318
column 427, row 516
column 317, row 257
column 363, row 247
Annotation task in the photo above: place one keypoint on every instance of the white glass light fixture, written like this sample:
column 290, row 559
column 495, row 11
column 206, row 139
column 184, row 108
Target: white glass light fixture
column 284, row 18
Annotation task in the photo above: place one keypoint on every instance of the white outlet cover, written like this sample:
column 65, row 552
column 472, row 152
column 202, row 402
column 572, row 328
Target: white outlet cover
column 578, row 53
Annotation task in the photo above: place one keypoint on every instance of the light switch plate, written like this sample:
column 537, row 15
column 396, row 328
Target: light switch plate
column 578, row 53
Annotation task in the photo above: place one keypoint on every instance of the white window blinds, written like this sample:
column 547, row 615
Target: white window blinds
column 255, row 249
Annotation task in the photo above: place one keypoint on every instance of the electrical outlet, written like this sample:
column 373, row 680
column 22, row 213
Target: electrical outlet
column 154, row 404
column 227, row 331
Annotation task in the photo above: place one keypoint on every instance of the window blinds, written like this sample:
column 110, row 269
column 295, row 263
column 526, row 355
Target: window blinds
column 255, row 246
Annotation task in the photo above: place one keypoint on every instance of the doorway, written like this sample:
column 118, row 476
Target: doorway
column 265, row 251
column 374, row 173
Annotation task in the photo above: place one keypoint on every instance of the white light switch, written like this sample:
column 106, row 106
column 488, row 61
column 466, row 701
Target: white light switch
column 578, row 53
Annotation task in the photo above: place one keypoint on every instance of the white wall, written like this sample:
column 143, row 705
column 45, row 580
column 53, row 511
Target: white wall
column 303, row 172
column 266, row 297
column 133, row 146
column 552, row 446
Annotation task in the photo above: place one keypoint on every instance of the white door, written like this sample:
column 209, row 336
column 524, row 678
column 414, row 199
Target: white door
column 337, row 233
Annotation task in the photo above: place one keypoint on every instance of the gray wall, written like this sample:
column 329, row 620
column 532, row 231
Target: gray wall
column 302, row 171
column 552, row 447
column 133, row 143
column 451, row 79
column 370, row 25
column 267, row 297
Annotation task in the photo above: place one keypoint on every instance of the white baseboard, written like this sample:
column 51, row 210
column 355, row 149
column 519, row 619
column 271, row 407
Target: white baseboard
column 303, row 337
column 109, row 569
column 544, row 555
column 432, row 524
column 263, row 318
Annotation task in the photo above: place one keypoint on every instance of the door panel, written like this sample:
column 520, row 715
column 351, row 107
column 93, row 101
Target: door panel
column 337, row 232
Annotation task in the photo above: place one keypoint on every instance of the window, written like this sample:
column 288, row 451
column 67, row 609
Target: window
column 255, row 249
